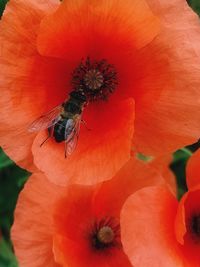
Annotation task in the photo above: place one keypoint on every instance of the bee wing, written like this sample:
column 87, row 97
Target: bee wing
column 72, row 140
column 46, row 120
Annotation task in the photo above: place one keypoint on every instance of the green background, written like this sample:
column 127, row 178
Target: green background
column 12, row 179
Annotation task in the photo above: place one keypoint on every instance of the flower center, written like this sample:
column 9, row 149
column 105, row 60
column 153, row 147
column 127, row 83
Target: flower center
column 93, row 79
column 195, row 225
column 105, row 234
column 96, row 79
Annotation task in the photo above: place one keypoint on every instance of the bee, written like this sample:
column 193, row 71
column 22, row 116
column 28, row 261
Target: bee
column 63, row 121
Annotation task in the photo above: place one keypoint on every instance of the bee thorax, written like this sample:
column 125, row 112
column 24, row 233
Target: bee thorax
column 72, row 107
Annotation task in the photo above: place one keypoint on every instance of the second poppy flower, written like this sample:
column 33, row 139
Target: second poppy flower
column 76, row 225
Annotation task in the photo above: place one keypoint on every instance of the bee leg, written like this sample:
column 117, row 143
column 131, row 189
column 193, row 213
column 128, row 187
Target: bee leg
column 50, row 130
column 85, row 124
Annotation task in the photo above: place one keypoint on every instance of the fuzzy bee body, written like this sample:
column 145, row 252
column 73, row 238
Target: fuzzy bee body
column 63, row 122
column 71, row 114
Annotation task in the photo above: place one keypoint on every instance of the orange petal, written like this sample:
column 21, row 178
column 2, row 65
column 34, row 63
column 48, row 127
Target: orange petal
column 108, row 22
column 133, row 176
column 90, row 204
column 147, row 228
column 167, row 11
column 17, row 144
column 100, row 152
column 47, row 218
column 189, row 209
column 101, row 30
column 180, row 226
column 33, row 225
column 74, row 254
column 167, row 96
column 20, row 107
column 193, row 170
column 162, row 164
column 72, row 244
column 22, row 82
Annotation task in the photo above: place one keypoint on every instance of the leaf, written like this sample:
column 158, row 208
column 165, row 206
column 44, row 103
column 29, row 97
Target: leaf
column 12, row 179
column 2, row 6
column 178, row 166
column 4, row 160
column 7, row 258
column 195, row 4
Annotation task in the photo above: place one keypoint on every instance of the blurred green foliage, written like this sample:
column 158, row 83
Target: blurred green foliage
column 12, row 179
column 178, row 165
column 2, row 6
column 195, row 4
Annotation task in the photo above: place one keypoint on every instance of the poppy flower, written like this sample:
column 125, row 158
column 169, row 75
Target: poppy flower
column 169, row 230
column 76, row 225
column 127, row 62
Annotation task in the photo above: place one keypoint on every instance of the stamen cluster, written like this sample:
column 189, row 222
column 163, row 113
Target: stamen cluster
column 105, row 234
column 97, row 79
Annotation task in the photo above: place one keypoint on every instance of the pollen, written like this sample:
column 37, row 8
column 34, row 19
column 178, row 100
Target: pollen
column 96, row 79
column 106, row 235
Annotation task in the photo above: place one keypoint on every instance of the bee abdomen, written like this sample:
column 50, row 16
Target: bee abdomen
column 59, row 131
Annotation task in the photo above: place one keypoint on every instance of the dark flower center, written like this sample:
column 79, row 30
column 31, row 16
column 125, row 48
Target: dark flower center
column 96, row 79
column 106, row 234
column 93, row 79
column 195, row 225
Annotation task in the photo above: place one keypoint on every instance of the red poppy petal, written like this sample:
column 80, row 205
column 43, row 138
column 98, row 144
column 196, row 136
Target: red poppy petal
column 147, row 228
column 169, row 108
column 39, row 220
column 133, row 176
column 77, row 204
column 23, row 76
column 167, row 91
column 18, row 149
column 33, row 226
column 87, row 204
column 162, row 164
column 82, row 20
column 73, row 254
column 100, row 30
column 167, row 11
column 100, row 152
column 100, row 199
column 72, row 239
column 189, row 208
column 193, row 170
column 180, row 226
